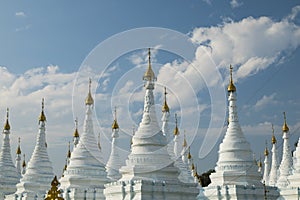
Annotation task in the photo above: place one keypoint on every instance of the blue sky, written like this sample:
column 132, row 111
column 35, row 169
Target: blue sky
column 43, row 45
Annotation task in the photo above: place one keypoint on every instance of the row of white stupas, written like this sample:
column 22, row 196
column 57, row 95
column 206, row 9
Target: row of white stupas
column 158, row 166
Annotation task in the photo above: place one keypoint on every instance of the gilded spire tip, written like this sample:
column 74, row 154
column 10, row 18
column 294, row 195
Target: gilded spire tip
column 176, row 131
column 24, row 162
column 165, row 107
column 76, row 134
column 115, row 124
column 149, row 74
column 69, row 150
column 266, row 149
column 6, row 125
column 89, row 99
column 285, row 127
column 42, row 117
column 19, row 148
column 189, row 156
column 231, row 87
column 184, row 140
column 273, row 136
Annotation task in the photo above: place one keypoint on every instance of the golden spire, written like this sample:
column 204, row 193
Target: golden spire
column 189, row 156
column 259, row 162
column 24, row 162
column 285, row 127
column 149, row 74
column 231, row 87
column 42, row 117
column 69, row 151
column 115, row 123
column 165, row 107
column 6, row 125
column 193, row 166
column 273, row 136
column 184, row 141
column 176, row 131
column 266, row 149
column 76, row 134
column 19, row 148
column 54, row 192
column 89, row 99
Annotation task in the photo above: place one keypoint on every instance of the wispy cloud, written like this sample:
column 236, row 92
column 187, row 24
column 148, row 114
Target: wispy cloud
column 235, row 3
column 266, row 101
column 20, row 14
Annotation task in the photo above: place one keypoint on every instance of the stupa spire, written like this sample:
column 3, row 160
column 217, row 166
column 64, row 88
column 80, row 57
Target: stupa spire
column 149, row 74
column 23, row 165
column 286, row 162
column 39, row 172
column 114, row 164
column 76, row 133
column 8, row 171
column 274, row 166
column 18, row 158
column 89, row 99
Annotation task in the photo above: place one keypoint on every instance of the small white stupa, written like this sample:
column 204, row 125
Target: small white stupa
column 236, row 175
column 274, row 166
column 18, row 159
column 114, row 162
column 266, row 166
column 8, row 172
column 149, row 172
column 39, row 173
column 85, row 175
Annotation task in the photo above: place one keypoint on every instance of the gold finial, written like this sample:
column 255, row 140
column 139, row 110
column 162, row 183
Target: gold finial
column 19, row 148
column 76, row 134
column 193, row 166
column 99, row 144
column 189, row 156
column 42, row 117
column 69, row 151
column 165, row 107
column 259, row 162
column 231, row 87
column 285, row 127
column 195, row 172
column 24, row 162
column 266, row 149
column 149, row 74
column 184, row 141
column 6, row 125
column 176, row 131
column 54, row 192
column 89, row 99
column 115, row 124
column 273, row 136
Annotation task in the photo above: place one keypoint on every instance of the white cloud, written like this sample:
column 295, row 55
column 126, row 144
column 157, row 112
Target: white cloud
column 294, row 13
column 252, row 44
column 20, row 14
column 265, row 101
column 235, row 3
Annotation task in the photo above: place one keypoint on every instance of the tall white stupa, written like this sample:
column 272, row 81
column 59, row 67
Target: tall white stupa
column 274, row 166
column 285, row 167
column 18, row 159
column 236, row 175
column 8, row 172
column 39, row 173
column 85, row 175
column 114, row 162
column 149, row 172
column 266, row 166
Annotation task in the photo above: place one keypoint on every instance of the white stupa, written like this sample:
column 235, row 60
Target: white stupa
column 149, row 172
column 85, row 175
column 39, row 173
column 236, row 175
column 285, row 167
column 8, row 172
column 114, row 162
column 274, row 166
column 266, row 166
column 293, row 190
